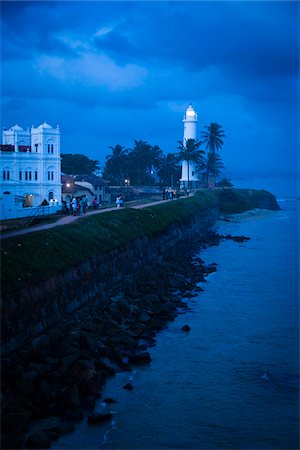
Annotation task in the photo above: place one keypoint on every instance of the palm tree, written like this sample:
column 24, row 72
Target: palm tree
column 116, row 163
column 213, row 137
column 169, row 169
column 189, row 151
column 213, row 166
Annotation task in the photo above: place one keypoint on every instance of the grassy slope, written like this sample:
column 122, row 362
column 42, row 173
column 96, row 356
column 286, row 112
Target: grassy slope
column 36, row 256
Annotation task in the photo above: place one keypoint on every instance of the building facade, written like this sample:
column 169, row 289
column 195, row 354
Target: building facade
column 30, row 170
column 92, row 186
column 189, row 174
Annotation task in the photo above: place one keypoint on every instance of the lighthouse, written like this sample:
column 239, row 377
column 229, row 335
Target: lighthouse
column 188, row 168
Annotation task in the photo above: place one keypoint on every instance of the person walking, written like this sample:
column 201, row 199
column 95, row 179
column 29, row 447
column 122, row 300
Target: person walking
column 74, row 206
column 84, row 204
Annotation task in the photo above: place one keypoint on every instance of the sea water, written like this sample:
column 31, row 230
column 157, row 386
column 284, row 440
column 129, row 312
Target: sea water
column 232, row 382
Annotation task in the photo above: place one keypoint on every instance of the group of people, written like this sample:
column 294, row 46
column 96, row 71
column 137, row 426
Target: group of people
column 169, row 194
column 77, row 206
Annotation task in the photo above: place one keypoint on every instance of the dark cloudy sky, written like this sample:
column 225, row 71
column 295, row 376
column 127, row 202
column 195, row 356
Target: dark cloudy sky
column 112, row 72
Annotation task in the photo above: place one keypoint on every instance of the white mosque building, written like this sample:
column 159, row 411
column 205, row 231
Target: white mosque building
column 188, row 168
column 30, row 170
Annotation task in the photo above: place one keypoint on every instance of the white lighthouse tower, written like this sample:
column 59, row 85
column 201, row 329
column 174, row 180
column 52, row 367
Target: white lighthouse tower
column 188, row 168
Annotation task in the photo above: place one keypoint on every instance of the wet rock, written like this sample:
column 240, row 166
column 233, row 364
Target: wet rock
column 41, row 344
column 41, row 439
column 27, row 383
column 15, row 419
column 89, row 403
column 74, row 414
column 71, row 396
column 91, row 386
column 128, row 387
column 64, row 427
column 140, row 358
column 99, row 418
column 105, row 364
column 109, row 400
column 83, row 370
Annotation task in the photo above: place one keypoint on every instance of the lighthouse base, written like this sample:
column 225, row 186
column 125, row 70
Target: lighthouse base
column 192, row 184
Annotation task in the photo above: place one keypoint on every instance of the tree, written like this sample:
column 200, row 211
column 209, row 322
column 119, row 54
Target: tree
column 213, row 165
column 189, row 151
column 169, row 169
column 142, row 159
column 116, row 164
column 225, row 183
column 76, row 164
column 213, row 137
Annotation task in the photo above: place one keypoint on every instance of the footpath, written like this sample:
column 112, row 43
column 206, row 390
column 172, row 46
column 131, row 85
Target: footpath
column 69, row 219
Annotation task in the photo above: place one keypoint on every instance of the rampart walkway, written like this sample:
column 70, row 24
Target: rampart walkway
column 69, row 219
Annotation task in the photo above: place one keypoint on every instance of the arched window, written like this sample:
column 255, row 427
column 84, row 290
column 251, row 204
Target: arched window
column 50, row 196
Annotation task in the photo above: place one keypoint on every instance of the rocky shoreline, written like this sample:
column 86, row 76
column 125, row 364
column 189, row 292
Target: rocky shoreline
column 57, row 377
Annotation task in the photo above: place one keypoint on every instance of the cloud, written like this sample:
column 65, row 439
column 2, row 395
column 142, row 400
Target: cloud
column 93, row 70
column 143, row 62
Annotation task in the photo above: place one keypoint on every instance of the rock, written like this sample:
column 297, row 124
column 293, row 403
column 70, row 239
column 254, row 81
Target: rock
column 144, row 317
column 128, row 387
column 152, row 298
column 89, row 403
column 83, row 370
column 64, row 427
column 186, row 328
column 74, row 414
column 15, row 419
column 99, row 418
column 40, row 344
column 140, row 358
column 71, row 396
column 26, row 385
column 91, row 386
column 41, row 439
column 105, row 364
column 86, row 341
column 109, row 400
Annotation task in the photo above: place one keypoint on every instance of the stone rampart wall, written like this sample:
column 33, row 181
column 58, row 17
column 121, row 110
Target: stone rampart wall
column 33, row 310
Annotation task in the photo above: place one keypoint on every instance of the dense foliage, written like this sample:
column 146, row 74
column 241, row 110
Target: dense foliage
column 146, row 164
column 76, row 164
